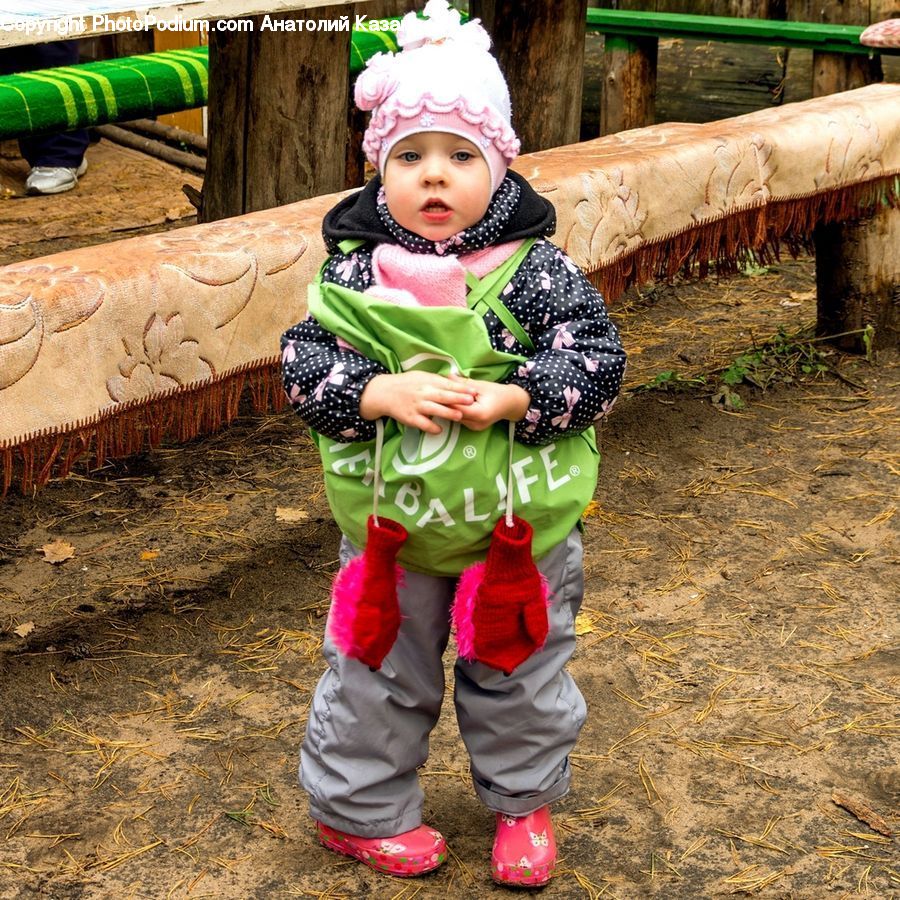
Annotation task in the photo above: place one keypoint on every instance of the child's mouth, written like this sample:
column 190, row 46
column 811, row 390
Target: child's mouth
column 436, row 211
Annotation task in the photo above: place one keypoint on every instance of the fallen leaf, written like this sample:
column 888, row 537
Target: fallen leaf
column 289, row 514
column 57, row 552
column 149, row 554
column 24, row 629
column 584, row 624
column 592, row 509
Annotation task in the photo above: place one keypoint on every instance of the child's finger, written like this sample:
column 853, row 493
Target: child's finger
column 441, row 410
column 423, row 415
column 475, row 424
column 457, row 398
column 423, row 423
column 463, row 384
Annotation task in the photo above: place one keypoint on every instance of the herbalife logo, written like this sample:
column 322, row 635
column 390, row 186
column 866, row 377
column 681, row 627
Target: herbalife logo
column 421, row 452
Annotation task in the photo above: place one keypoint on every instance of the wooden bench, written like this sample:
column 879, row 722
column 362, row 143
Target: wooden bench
column 109, row 349
column 632, row 38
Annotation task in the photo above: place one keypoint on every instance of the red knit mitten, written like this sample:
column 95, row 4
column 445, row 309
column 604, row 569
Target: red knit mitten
column 365, row 612
column 500, row 610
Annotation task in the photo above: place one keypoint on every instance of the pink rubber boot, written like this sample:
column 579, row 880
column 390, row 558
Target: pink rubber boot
column 524, row 849
column 405, row 855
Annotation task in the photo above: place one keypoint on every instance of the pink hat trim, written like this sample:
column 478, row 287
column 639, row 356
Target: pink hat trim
column 484, row 127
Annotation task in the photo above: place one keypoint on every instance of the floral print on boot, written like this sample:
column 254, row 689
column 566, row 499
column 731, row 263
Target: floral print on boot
column 405, row 855
column 524, row 849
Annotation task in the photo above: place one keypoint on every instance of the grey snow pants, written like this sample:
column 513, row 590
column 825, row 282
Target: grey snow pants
column 368, row 731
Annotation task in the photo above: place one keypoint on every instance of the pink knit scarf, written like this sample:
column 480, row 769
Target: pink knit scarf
column 425, row 279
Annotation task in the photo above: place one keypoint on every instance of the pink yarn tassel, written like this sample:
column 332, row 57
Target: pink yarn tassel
column 462, row 614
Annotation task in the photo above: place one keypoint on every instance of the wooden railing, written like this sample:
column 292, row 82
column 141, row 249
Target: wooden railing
column 631, row 48
column 768, row 32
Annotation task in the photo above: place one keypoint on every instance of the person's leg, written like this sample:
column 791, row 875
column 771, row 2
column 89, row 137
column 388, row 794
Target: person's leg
column 65, row 150
column 368, row 731
column 520, row 728
column 12, row 60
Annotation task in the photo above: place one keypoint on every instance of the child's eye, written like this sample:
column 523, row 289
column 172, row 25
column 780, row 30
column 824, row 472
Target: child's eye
column 408, row 156
column 463, row 155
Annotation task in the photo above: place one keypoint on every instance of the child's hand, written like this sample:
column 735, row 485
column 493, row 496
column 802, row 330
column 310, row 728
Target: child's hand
column 415, row 398
column 492, row 402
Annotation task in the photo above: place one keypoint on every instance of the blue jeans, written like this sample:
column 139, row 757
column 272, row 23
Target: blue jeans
column 65, row 149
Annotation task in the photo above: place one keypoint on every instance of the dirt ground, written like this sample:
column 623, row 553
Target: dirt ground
column 738, row 647
column 123, row 190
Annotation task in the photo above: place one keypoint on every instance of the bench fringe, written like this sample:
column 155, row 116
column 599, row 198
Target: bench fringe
column 131, row 428
column 723, row 245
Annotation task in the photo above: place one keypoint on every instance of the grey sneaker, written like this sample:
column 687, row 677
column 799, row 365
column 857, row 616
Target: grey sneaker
column 53, row 179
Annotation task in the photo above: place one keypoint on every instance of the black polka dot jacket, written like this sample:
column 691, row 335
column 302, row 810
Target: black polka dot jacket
column 573, row 374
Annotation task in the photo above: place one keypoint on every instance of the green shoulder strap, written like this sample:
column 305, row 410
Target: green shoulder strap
column 347, row 246
column 485, row 292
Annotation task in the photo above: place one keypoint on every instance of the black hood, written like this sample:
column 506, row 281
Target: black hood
column 356, row 217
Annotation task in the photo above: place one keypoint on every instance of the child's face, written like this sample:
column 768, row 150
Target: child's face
column 436, row 184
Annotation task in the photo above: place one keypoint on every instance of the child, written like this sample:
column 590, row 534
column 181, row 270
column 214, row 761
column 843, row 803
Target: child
column 452, row 366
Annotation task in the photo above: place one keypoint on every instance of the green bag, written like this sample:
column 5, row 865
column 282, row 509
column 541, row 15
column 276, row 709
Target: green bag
column 448, row 490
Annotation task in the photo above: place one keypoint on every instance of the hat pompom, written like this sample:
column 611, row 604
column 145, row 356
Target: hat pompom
column 440, row 24
column 476, row 36
column 376, row 82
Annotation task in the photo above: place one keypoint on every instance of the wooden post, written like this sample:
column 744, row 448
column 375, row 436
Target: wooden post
column 540, row 47
column 858, row 279
column 834, row 72
column 857, row 263
column 277, row 116
column 223, row 186
column 628, row 96
column 628, row 88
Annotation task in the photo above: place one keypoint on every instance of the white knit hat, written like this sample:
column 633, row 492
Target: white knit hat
column 445, row 79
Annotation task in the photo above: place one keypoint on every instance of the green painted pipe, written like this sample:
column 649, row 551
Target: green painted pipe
column 134, row 87
column 769, row 32
column 52, row 100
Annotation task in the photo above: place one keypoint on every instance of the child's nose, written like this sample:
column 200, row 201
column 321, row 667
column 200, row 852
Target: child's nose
column 434, row 172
